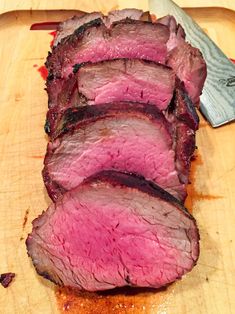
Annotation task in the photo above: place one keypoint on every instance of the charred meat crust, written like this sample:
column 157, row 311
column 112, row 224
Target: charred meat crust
column 69, row 86
column 183, row 108
column 139, row 183
column 67, row 27
column 51, row 184
column 185, row 147
column 79, row 33
column 83, row 118
column 76, row 117
column 45, row 274
column 77, row 67
column 70, row 39
column 188, row 114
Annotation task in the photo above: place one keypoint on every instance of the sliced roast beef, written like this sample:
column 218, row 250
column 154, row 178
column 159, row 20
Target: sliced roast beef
column 126, row 79
column 110, row 81
column 95, row 42
column 177, row 34
column 185, row 60
column 67, row 27
column 190, row 67
column 114, row 230
column 127, row 137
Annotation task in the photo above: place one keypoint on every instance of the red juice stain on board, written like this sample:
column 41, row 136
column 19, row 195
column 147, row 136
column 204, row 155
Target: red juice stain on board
column 43, row 71
column 44, row 26
column 118, row 301
column 52, row 34
column 35, row 65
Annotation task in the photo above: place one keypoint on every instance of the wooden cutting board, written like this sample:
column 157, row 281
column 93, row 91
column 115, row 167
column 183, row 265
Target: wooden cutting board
column 209, row 288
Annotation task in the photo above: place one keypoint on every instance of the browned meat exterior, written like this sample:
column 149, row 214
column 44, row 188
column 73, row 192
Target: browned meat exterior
column 110, row 81
column 184, row 150
column 111, row 231
column 184, row 121
column 67, row 27
column 185, row 60
column 177, row 34
column 127, row 137
column 190, row 67
column 128, row 80
column 94, row 42
column 182, row 108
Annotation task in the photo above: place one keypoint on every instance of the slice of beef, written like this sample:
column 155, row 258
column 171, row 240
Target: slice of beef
column 177, row 34
column 67, row 27
column 190, row 67
column 128, row 80
column 114, row 230
column 187, row 61
column 95, row 42
column 127, row 137
column 103, row 76
column 60, row 91
column 111, row 81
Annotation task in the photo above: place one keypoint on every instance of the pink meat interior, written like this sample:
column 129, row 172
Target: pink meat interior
column 132, row 145
column 103, row 239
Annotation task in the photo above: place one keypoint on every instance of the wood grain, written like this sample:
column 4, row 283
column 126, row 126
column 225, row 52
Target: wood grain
column 209, row 288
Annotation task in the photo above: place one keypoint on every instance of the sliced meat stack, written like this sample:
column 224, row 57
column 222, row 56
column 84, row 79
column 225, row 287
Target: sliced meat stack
column 122, row 92
column 114, row 80
column 128, row 137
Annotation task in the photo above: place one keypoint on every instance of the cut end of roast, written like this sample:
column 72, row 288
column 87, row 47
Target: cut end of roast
column 114, row 230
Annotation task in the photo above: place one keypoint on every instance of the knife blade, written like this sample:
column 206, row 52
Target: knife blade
column 218, row 96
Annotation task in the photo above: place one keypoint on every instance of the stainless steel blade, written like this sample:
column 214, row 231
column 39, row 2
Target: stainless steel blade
column 218, row 97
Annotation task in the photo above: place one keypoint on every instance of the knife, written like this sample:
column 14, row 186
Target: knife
column 218, row 96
